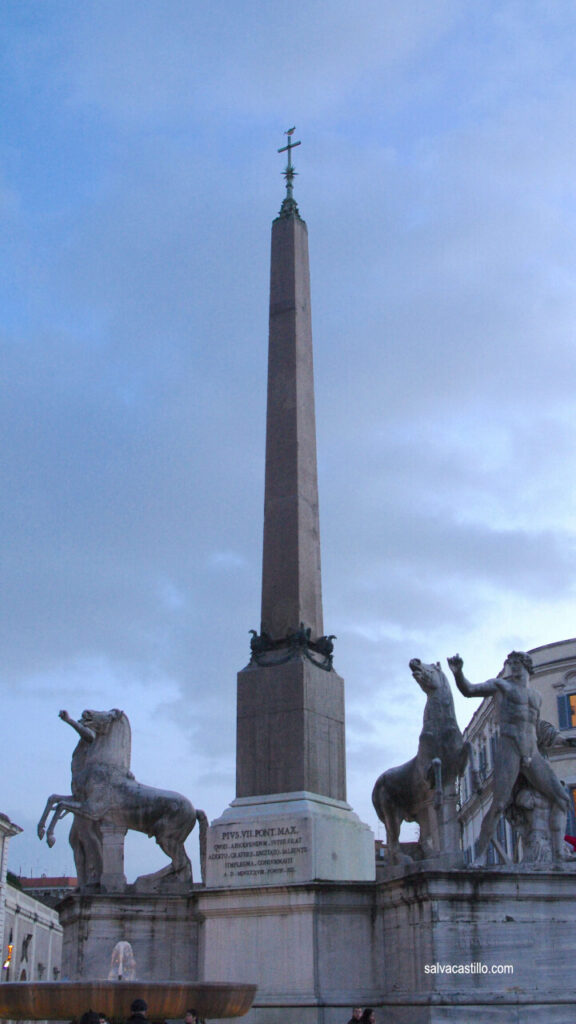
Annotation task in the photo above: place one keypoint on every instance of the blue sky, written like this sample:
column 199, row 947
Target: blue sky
column 138, row 180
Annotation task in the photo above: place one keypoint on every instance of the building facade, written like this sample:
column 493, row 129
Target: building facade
column 555, row 680
column 30, row 931
column 7, row 830
column 49, row 889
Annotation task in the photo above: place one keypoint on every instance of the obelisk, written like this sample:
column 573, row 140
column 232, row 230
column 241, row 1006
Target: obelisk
column 291, row 579
column 290, row 752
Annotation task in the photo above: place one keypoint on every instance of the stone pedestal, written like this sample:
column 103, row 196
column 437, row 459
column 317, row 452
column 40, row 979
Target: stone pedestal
column 288, row 838
column 309, row 948
column 427, row 947
column 113, row 877
column 485, row 945
column 162, row 930
column 290, row 729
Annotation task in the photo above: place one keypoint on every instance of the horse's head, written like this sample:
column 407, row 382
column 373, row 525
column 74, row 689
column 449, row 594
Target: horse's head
column 101, row 721
column 428, row 677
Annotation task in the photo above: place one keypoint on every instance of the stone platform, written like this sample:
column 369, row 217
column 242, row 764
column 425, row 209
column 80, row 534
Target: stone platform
column 451, row 937
column 309, row 948
column 162, row 930
column 426, row 947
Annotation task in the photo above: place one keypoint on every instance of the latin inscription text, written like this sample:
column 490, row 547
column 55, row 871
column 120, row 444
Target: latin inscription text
column 259, row 853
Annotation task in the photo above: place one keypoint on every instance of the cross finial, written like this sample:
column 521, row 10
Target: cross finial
column 289, row 206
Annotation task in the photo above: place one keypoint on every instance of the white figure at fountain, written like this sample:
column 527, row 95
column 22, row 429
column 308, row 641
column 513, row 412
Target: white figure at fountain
column 123, row 963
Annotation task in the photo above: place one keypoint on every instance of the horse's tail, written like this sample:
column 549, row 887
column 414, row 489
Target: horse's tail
column 379, row 795
column 203, row 827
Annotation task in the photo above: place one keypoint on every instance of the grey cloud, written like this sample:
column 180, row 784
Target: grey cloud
column 137, row 66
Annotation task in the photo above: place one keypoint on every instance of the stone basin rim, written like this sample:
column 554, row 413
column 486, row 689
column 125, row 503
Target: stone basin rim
column 67, row 1000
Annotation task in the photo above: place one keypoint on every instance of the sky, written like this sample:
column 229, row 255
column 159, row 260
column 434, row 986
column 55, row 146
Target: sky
column 139, row 176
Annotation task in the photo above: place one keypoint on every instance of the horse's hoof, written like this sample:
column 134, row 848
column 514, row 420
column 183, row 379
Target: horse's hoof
column 41, row 831
column 51, row 840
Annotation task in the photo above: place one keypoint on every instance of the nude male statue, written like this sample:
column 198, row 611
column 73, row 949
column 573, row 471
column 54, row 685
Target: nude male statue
column 517, row 707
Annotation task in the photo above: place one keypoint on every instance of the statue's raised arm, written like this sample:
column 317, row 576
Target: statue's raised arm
column 470, row 689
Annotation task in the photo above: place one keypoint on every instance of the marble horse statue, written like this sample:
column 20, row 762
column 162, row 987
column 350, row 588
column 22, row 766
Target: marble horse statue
column 105, row 792
column 424, row 789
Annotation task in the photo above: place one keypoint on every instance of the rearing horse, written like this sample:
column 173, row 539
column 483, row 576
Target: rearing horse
column 104, row 790
column 424, row 789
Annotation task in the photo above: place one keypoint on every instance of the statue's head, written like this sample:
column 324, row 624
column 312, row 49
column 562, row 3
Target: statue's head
column 515, row 660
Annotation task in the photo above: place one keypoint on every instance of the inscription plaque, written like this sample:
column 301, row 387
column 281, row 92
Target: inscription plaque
column 287, row 839
column 261, row 854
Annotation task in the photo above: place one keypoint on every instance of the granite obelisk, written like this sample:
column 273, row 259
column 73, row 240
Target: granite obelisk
column 291, row 578
column 290, row 756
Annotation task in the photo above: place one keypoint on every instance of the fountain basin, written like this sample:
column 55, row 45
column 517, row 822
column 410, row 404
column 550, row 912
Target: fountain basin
column 68, row 1000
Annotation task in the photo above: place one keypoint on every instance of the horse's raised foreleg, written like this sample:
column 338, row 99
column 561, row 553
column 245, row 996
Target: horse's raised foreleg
column 66, row 804
column 50, row 804
column 59, row 813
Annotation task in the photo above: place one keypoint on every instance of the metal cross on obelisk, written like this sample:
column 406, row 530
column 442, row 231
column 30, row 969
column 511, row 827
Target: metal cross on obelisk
column 289, row 171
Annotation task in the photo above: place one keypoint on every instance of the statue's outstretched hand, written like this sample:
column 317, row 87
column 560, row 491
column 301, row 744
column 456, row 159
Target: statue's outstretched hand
column 64, row 716
column 456, row 663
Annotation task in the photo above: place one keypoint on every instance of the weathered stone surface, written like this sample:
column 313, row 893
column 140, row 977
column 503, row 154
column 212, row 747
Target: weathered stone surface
column 162, row 930
column 317, row 950
column 291, row 578
column 287, row 839
column 478, row 919
column 307, row 947
column 290, row 730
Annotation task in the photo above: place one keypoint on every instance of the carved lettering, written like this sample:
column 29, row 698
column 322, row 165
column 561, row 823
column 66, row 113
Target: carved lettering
column 259, row 853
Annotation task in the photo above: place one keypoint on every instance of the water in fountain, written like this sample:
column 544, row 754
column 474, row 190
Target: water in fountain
column 123, row 963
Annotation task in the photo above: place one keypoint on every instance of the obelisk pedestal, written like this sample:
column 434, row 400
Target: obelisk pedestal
column 290, row 821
